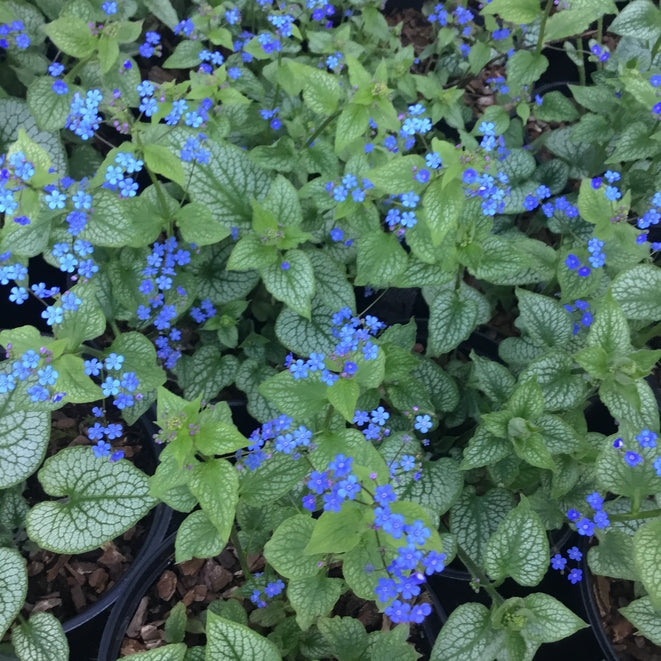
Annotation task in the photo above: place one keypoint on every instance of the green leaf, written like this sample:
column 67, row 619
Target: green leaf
column 442, row 204
column 313, row 597
column 633, row 144
column 393, row 644
column 250, row 253
column 163, row 10
column 525, row 68
column 198, row 225
column 351, row 124
column 346, row 635
column 41, row 638
column 610, row 330
column 185, row 55
column 339, row 532
column 343, row 395
column 24, row 437
column 286, row 550
column 321, row 91
column 163, row 161
column 227, row 183
column 215, row 484
column 207, row 373
column 484, row 449
column 637, row 292
column 197, row 537
column 543, row 320
column 111, row 224
column 230, row 641
column 647, row 619
column 166, row 653
column 518, row 548
column 293, row 286
column 467, row 635
column 647, row 559
column 452, row 318
column 639, row 19
column 71, row 35
column 516, row 11
column 547, row 620
column 303, row 336
column 13, row 586
column 50, row 110
column 492, row 378
column 473, row 519
column 330, row 282
column 613, row 556
column 380, row 259
column 103, row 500
column 554, row 373
column 300, row 398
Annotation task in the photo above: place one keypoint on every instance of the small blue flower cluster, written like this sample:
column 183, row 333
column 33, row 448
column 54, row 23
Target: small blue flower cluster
column 55, row 70
column 272, row 115
column 269, row 42
column 491, row 141
column 414, row 123
column 184, row 27
column 646, row 439
column 559, row 562
column 34, row 367
column 115, row 177
column 597, row 258
column 280, row 436
column 573, row 263
column 399, row 220
column 349, row 184
column 533, row 201
column 98, row 432
column 600, row 52
column 84, row 118
column 374, row 423
column 334, row 62
column 122, row 385
column 15, row 30
column 15, row 172
column 270, row 590
column 320, row 10
column 584, row 525
column 151, row 45
column 560, row 205
column 611, row 192
column 194, row 151
column 337, row 235
column 583, row 307
column 651, row 217
column 492, row 190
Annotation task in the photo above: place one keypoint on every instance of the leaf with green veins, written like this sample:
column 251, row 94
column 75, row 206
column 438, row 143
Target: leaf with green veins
column 175, row 652
column 637, row 292
column 104, row 499
column 484, row 449
column 303, row 336
column 50, row 110
column 73, row 381
column 282, row 201
column 525, row 68
column 393, row 644
column 529, row 445
column 285, row 551
column 558, row 435
column 493, row 379
column 468, row 635
column 346, row 635
column 13, row 586
column 518, row 548
column 613, row 556
column 647, row 559
column 197, row 537
column 339, row 532
column 452, row 318
column 636, row 409
column 343, row 395
column 331, row 285
column 230, row 641
column 299, row 398
column 442, row 204
column 526, row 401
column 351, row 124
column 610, row 330
column 380, row 259
column 647, row 619
column 215, row 484
column 72, row 36
column 293, row 285
column 554, row 373
column 313, row 597
column 273, row 479
column 197, row 224
column 41, row 638
column 473, row 519
column 543, row 320
column 24, row 437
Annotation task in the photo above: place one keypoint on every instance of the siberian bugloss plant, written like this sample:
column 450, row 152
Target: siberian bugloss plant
column 227, row 189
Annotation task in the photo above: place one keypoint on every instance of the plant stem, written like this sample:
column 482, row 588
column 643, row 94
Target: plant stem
column 321, row 127
column 542, row 25
column 632, row 516
column 480, row 577
column 243, row 561
column 581, row 69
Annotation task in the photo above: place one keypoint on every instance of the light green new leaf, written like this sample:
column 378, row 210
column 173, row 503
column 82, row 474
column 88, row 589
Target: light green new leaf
column 313, row 597
column 516, row 11
column 647, row 619
column 343, row 395
column 351, row 124
column 294, row 285
column 380, row 259
column 13, row 586
column 198, row 225
column 637, row 292
column 176, row 652
column 593, row 204
column 346, row 635
column 163, row 10
column 647, row 559
column 50, row 110
column 518, row 548
column 24, row 437
column 285, row 551
column 101, row 501
column 525, row 68
column 41, row 638
column 547, row 620
column 610, row 330
column 640, row 19
column 215, row 484
column 197, row 537
column 165, row 162
column 303, row 336
column 467, row 635
column 442, row 204
column 339, row 532
column 230, row 641
column 71, row 35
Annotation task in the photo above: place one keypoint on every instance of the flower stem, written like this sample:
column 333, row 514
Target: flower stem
column 321, row 128
column 542, row 25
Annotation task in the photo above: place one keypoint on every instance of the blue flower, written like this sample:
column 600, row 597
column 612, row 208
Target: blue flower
column 575, row 575
column 558, row 562
column 585, row 527
column 632, row 458
column 423, row 423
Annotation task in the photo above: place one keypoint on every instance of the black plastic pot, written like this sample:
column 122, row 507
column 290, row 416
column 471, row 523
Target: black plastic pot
column 78, row 628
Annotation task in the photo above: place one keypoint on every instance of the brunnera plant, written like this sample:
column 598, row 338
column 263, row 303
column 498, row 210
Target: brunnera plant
column 218, row 180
